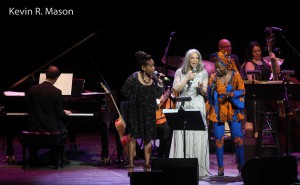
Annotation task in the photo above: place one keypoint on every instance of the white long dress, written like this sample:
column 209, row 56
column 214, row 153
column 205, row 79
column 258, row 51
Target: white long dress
column 197, row 145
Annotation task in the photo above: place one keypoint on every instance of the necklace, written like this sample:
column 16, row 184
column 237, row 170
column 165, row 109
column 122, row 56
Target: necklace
column 257, row 62
column 227, row 73
column 143, row 77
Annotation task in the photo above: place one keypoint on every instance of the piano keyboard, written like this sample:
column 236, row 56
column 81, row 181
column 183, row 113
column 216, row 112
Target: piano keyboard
column 17, row 114
column 26, row 114
column 81, row 114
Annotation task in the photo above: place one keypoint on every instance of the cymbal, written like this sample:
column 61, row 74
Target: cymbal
column 268, row 59
column 174, row 61
column 209, row 66
column 171, row 73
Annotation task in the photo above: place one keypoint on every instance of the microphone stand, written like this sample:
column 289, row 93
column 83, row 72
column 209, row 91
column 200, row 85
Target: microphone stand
column 181, row 113
column 286, row 83
column 287, row 129
column 287, row 41
column 167, row 53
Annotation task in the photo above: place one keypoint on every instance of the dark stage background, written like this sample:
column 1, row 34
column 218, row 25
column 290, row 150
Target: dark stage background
column 121, row 29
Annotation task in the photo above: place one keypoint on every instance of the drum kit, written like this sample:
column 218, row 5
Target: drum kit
column 176, row 62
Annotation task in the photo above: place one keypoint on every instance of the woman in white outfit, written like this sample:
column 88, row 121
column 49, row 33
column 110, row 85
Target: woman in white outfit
column 191, row 81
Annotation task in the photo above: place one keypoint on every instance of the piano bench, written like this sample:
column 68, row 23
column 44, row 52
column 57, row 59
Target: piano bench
column 32, row 141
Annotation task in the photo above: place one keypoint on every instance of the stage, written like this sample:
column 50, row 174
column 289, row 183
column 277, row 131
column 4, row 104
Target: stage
column 85, row 167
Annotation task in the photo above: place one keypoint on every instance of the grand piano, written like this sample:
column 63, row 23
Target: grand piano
column 85, row 106
column 86, row 110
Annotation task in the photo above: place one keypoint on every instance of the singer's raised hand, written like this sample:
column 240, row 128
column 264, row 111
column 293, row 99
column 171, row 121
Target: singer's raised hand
column 200, row 85
column 200, row 89
column 191, row 75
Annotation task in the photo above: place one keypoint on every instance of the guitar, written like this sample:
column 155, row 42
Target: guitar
column 119, row 123
column 165, row 103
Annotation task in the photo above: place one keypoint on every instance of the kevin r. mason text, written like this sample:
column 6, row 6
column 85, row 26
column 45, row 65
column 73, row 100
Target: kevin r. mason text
column 39, row 11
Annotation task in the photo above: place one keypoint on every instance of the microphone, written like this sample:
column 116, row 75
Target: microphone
column 194, row 71
column 213, row 85
column 161, row 76
column 276, row 29
column 268, row 29
column 172, row 34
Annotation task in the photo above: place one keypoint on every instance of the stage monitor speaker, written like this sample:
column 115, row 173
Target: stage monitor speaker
column 155, row 177
column 280, row 170
column 178, row 171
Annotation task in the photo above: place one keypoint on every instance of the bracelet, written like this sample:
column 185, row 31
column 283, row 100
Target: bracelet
column 160, row 85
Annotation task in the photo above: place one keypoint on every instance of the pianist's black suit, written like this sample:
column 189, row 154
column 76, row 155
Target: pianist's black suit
column 46, row 112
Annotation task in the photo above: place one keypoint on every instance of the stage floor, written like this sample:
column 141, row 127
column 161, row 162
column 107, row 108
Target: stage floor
column 85, row 167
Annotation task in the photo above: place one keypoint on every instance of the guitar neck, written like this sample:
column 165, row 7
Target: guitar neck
column 111, row 96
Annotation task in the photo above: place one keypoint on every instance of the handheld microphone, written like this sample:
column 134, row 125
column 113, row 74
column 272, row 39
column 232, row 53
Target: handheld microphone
column 276, row 29
column 213, row 85
column 194, row 71
column 161, row 76
column 268, row 29
column 172, row 34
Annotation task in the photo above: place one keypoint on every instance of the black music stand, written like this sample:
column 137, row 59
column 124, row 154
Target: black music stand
column 283, row 91
column 253, row 73
column 184, row 120
column 285, row 74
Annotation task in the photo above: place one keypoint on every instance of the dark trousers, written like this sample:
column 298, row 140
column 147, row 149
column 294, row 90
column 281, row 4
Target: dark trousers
column 164, row 136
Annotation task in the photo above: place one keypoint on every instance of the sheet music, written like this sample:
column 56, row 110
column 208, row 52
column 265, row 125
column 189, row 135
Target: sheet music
column 176, row 110
column 13, row 93
column 64, row 82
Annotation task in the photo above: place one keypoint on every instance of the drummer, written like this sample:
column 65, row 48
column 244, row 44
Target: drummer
column 224, row 44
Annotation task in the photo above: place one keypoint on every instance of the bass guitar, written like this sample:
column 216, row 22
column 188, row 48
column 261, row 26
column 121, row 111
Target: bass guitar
column 119, row 123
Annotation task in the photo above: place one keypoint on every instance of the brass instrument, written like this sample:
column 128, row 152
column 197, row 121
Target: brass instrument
column 274, row 67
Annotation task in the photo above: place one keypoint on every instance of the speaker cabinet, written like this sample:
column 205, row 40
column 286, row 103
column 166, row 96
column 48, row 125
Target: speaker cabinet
column 270, row 170
column 178, row 171
column 155, row 177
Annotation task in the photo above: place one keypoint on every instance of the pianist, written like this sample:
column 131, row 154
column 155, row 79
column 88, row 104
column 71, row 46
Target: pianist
column 45, row 103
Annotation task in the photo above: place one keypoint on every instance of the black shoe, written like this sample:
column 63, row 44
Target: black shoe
column 10, row 159
column 221, row 171
column 104, row 161
column 74, row 146
column 130, row 171
column 239, row 169
column 66, row 162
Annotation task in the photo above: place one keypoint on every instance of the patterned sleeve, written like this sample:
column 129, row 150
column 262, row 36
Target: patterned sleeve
column 238, row 92
column 210, row 91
